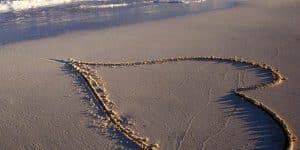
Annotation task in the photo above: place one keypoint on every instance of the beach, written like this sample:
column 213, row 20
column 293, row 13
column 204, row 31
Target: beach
column 44, row 104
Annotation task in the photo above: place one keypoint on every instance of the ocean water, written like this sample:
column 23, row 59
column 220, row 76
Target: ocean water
column 31, row 19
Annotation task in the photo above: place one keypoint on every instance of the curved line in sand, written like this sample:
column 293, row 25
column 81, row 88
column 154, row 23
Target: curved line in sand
column 98, row 87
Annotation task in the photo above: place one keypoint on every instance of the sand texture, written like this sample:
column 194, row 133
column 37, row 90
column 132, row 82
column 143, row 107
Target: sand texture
column 193, row 103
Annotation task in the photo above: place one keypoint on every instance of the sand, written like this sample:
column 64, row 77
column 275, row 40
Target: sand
column 180, row 106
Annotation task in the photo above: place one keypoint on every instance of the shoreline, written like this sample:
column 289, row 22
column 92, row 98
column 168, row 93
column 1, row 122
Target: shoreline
column 40, row 98
column 35, row 32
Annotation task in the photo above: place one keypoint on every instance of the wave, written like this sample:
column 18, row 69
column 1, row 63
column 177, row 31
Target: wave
column 23, row 5
column 114, row 5
column 19, row 5
column 178, row 1
column 104, row 6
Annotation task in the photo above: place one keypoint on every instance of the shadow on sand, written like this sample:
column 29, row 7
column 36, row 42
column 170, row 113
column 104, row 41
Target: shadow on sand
column 263, row 129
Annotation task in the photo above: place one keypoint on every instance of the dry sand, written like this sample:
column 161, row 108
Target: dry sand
column 179, row 106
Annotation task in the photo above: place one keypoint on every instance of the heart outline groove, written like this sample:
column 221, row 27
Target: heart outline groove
column 99, row 89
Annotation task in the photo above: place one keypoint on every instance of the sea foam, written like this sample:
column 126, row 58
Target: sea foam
column 22, row 5
column 19, row 5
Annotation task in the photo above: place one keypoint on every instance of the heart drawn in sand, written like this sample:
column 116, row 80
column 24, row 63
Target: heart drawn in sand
column 99, row 89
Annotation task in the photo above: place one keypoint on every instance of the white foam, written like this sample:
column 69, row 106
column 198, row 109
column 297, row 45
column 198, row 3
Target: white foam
column 19, row 5
column 177, row 1
column 104, row 6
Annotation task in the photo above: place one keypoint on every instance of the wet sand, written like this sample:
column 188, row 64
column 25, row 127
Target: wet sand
column 180, row 106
